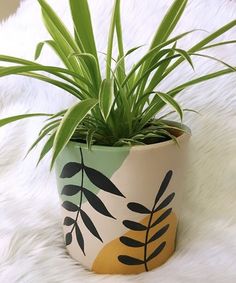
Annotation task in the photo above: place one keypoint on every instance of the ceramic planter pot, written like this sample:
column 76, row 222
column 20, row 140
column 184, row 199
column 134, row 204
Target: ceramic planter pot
column 120, row 206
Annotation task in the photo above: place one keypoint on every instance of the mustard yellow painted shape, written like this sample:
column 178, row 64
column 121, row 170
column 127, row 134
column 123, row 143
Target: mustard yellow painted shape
column 107, row 260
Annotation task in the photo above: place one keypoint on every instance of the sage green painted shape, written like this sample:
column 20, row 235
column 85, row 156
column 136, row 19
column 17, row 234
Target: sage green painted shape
column 106, row 160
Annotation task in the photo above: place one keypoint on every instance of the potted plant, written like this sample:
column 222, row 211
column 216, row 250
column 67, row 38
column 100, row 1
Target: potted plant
column 119, row 162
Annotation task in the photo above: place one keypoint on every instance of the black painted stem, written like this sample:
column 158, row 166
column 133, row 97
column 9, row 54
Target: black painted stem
column 147, row 237
column 81, row 192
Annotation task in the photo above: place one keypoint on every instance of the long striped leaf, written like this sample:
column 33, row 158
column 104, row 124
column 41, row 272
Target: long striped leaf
column 69, row 123
column 61, row 36
column 49, row 69
column 57, row 23
column 152, row 85
column 203, row 43
column 164, row 30
column 121, row 58
column 169, row 22
column 57, row 49
column 106, row 97
column 20, row 71
column 153, row 108
column 172, row 103
column 150, row 54
column 201, row 79
column 111, row 38
column 158, row 74
column 83, row 25
column 42, row 135
column 12, row 119
column 93, row 67
column 215, row 59
column 148, row 72
column 218, row 44
column 47, row 147
column 178, row 89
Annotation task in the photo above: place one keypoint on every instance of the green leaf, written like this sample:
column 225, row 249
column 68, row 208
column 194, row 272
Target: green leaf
column 73, row 117
column 201, row 79
column 164, row 64
column 171, row 102
column 203, row 43
column 163, row 32
column 93, row 67
column 42, row 135
column 119, row 64
column 218, row 44
column 115, row 14
column 49, row 125
column 158, row 74
column 40, row 46
column 58, row 24
column 12, row 119
column 120, row 71
column 68, row 88
column 150, row 54
column 169, row 22
column 106, row 97
column 64, row 40
column 83, row 25
column 185, row 55
column 148, row 72
column 47, row 147
column 215, row 59
column 38, row 50
column 50, row 69
column 89, row 138
column 57, row 49
column 58, row 114
column 213, row 36
column 150, row 111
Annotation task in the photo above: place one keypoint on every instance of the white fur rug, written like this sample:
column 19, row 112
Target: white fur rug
column 31, row 242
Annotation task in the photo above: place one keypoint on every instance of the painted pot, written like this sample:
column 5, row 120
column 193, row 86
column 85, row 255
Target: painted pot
column 120, row 206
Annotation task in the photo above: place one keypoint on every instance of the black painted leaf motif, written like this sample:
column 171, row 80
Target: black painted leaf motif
column 165, row 202
column 70, row 206
column 79, row 237
column 70, row 190
column 68, row 221
column 164, row 186
column 157, row 251
column 162, row 217
column 139, row 208
column 96, row 203
column 134, row 225
column 159, row 233
column 70, row 169
column 89, row 224
column 131, row 242
column 102, row 182
column 128, row 260
column 68, row 239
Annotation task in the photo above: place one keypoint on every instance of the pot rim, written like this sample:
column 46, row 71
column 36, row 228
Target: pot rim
column 184, row 136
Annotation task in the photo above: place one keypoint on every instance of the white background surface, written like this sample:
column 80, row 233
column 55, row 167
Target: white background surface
column 31, row 242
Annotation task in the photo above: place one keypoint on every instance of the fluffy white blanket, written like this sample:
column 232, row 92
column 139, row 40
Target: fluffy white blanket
column 31, row 242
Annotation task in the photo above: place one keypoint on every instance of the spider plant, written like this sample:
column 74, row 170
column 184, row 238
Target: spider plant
column 121, row 106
